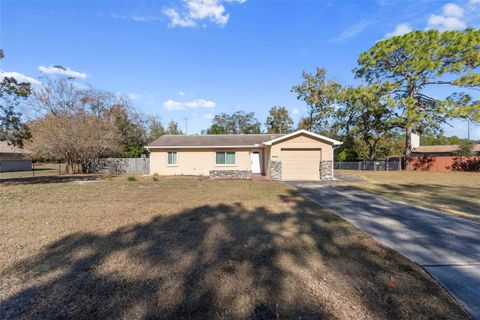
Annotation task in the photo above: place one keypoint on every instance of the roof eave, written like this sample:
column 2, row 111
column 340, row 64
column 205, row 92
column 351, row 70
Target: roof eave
column 202, row 147
column 318, row 136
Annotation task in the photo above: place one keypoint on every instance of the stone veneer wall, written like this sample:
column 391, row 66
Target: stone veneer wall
column 326, row 170
column 276, row 170
column 230, row 174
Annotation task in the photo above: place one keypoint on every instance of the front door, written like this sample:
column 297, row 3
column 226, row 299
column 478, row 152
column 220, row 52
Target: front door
column 255, row 161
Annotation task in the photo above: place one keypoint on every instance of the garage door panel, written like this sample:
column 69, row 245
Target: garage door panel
column 300, row 164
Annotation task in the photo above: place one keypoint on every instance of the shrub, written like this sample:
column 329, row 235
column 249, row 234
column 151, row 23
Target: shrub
column 132, row 178
column 156, row 177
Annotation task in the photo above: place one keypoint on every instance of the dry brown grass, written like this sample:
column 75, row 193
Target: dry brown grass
column 192, row 248
column 456, row 193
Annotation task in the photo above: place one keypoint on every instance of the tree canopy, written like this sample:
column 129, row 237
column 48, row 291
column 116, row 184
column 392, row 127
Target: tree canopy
column 363, row 112
column 60, row 97
column 173, row 128
column 155, row 129
column 417, row 62
column 278, row 120
column 80, row 140
column 12, row 94
column 319, row 94
column 235, row 123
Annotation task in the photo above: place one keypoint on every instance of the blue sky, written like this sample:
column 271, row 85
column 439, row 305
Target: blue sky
column 195, row 58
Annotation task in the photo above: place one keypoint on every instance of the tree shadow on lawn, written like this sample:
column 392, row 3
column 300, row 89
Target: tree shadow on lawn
column 50, row 179
column 224, row 262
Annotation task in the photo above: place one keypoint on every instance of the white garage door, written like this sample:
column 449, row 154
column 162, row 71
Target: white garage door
column 300, row 164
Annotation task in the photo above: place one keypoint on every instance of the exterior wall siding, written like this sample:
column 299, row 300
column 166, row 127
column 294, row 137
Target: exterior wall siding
column 195, row 161
column 10, row 165
column 192, row 161
column 301, row 142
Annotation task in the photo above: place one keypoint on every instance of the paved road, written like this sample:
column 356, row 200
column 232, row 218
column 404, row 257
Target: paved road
column 447, row 247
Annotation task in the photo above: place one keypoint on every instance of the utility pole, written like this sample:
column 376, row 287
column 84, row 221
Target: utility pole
column 468, row 129
column 186, row 125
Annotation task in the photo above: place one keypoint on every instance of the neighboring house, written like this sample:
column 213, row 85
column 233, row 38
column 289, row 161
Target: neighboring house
column 441, row 150
column 13, row 158
column 301, row 155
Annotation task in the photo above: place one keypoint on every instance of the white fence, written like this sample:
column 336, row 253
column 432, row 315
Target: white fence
column 380, row 165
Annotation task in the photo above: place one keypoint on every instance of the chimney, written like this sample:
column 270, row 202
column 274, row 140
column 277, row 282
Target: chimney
column 415, row 140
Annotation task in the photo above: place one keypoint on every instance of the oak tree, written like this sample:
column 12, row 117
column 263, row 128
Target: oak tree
column 173, row 128
column 236, row 123
column 278, row 120
column 319, row 94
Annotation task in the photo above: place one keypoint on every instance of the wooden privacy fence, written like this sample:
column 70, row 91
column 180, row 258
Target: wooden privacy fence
column 445, row 164
column 126, row 165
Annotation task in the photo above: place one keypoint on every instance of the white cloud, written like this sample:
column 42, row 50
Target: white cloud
column 194, row 104
column 63, row 71
column 453, row 17
column 185, row 94
column 353, row 30
column 295, row 111
column 177, row 20
column 452, row 10
column 449, row 20
column 193, row 11
column 145, row 18
column 443, row 23
column 136, row 18
column 118, row 16
column 134, row 96
column 400, row 29
column 209, row 116
column 20, row 77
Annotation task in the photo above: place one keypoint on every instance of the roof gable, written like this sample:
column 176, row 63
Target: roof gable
column 305, row 132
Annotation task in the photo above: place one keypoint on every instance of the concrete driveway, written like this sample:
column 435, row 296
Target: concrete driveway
column 448, row 248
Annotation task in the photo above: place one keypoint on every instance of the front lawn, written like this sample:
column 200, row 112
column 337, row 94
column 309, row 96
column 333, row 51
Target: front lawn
column 456, row 193
column 104, row 247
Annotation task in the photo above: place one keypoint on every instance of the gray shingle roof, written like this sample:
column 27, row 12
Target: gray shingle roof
column 214, row 140
column 5, row 148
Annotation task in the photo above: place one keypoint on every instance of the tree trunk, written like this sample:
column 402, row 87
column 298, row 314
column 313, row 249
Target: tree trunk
column 408, row 147
column 371, row 152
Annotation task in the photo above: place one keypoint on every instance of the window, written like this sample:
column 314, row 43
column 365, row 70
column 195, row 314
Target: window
column 227, row 157
column 172, row 158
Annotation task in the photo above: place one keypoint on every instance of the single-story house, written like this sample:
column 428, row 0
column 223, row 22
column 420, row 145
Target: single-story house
column 441, row 150
column 13, row 158
column 300, row 155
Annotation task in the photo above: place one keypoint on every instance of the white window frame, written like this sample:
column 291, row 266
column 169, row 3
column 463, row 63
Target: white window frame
column 176, row 159
column 225, row 164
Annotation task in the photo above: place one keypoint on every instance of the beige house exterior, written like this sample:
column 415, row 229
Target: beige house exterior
column 301, row 155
